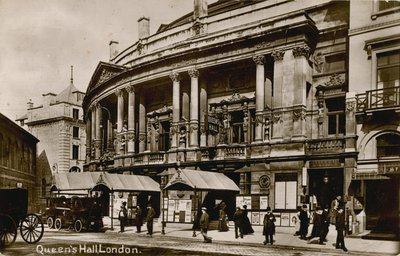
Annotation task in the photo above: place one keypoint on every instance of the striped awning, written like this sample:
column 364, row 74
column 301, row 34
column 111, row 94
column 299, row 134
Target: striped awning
column 87, row 181
column 186, row 179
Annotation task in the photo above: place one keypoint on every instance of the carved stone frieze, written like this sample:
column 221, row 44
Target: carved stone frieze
column 262, row 45
column 276, row 117
column 335, row 80
column 105, row 75
column 301, row 51
column 350, row 106
column 278, row 55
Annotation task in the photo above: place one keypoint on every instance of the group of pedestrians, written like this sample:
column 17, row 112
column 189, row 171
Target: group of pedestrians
column 242, row 222
column 136, row 215
column 322, row 218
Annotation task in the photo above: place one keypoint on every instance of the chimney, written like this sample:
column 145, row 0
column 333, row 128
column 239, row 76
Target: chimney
column 144, row 27
column 29, row 104
column 113, row 49
column 200, row 9
column 48, row 98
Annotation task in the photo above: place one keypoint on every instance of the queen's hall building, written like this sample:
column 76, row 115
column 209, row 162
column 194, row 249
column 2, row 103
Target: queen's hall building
column 255, row 90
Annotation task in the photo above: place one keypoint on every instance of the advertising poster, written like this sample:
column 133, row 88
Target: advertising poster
column 262, row 215
column 247, row 201
column 255, row 218
column 117, row 206
column 171, row 210
column 285, row 219
column 263, row 202
column 293, row 219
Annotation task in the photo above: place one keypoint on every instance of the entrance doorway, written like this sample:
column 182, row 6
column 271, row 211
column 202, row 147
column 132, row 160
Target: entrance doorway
column 325, row 184
column 103, row 192
column 213, row 199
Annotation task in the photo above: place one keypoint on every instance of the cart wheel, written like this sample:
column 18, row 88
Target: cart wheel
column 58, row 224
column 78, row 225
column 31, row 228
column 8, row 231
column 50, row 222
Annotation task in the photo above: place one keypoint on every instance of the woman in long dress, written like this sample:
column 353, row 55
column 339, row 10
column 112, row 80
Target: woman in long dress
column 247, row 228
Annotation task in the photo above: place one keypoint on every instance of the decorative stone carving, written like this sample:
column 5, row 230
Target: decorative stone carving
column 105, row 75
column 276, row 117
column 193, row 73
column 142, row 137
column 203, row 128
column 197, row 28
column 245, row 120
column 173, row 129
column 299, row 114
column 174, row 76
column 350, row 106
column 319, row 61
column 262, row 45
column 182, row 137
column 335, row 80
column 130, row 88
column 259, row 59
column 266, row 128
column 193, row 127
column 131, row 136
column 301, row 51
column 259, row 119
column 278, row 55
column 140, row 47
column 118, row 92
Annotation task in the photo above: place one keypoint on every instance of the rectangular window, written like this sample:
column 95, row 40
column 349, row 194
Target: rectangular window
column 336, row 115
column 75, row 152
column 164, row 144
column 75, row 132
column 285, row 190
column 75, row 113
column 388, row 69
column 388, row 4
column 237, row 135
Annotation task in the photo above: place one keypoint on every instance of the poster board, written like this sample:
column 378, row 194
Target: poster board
column 285, row 219
column 293, row 219
column 263, row 202
column 255, row 218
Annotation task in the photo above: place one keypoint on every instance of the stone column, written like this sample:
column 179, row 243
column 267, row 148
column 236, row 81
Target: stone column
column 194, row 108
column 98, row 131
column 142, row 124
column 92, row 131
column 276, row 117
column 259, row 60
column 203, row 113
column 120, row 110
column 131, row 119
column 88, row 139
column 175, row 108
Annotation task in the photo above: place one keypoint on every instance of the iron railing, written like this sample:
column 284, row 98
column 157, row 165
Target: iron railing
column 379, row 98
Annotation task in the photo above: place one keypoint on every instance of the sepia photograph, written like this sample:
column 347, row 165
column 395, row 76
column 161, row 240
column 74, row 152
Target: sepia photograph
column 199, row 127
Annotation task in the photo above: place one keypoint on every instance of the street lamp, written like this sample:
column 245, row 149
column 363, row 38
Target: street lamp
column 163, row 181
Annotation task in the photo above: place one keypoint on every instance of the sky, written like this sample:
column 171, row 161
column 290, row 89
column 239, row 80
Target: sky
column 41, row 39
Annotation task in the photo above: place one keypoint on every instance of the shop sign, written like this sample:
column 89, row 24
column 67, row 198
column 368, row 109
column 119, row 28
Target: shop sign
column 213, row 124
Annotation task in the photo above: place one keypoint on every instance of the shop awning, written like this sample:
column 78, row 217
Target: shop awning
column 87, row 181
column 186, row 179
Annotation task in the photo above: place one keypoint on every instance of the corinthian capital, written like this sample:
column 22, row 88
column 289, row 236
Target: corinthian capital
column 301, row 51
column 118, row 92
column 193, row 73
column 130, row 88
column 278, row 55
column 259, row 59
column 174, row 76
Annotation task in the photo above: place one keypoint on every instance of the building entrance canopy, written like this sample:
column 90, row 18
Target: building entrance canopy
column 186, row 179
column 92, row 181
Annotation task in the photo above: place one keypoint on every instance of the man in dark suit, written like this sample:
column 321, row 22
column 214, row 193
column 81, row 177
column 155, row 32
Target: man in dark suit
column 149, row 219
column 238, row 219
column 122, row 216
column 204, row 220
column 340, row 227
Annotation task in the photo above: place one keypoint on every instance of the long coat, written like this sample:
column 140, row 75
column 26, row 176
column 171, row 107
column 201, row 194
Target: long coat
column 150, row 214
column 204, row 219
column 340, row 221
column 304, row 221
column 269, row 225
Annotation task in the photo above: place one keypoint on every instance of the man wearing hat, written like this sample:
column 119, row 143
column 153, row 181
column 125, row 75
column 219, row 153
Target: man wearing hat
column 149, row 219
column 269, row 226
column 340, row 227
column 122, row 216
column 204, row 220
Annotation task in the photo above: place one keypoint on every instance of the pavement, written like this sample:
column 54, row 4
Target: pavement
column 283, row 238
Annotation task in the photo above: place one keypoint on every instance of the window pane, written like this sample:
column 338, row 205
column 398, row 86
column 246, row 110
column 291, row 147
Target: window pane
column 291, row 195
column 387, row 4
column 280, row 192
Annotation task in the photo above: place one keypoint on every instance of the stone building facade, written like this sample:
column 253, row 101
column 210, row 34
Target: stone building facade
column 374, row 80
column 58, row 123
column 253, row 89
column 18, row 159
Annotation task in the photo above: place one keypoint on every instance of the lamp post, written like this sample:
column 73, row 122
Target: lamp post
column 162, row 185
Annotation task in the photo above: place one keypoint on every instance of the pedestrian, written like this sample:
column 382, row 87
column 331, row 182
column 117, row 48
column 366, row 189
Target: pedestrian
column 204, row 221
column 269, row 226
column 149, row 219
column 333, row 210
column 196, row 222
column 304, row 218
column 317, row 224
column 296, row 220
column 122, row 216
column 325, row 225
column 247, row 228
column 238, row 220
column 222, row 225
column 340, row 227
column 138, row 219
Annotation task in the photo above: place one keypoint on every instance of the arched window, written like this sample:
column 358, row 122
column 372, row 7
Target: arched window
column 388, row 145
column 75, row 169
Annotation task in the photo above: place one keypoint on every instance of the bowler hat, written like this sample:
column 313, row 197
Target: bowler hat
column 268, row 208
column 204, row 208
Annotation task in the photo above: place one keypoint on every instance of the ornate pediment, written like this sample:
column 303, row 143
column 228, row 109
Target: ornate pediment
column 235, row 98
column 165, row 110
column 103, row 73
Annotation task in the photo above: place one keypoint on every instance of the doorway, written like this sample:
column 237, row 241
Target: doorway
column 325, row 184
